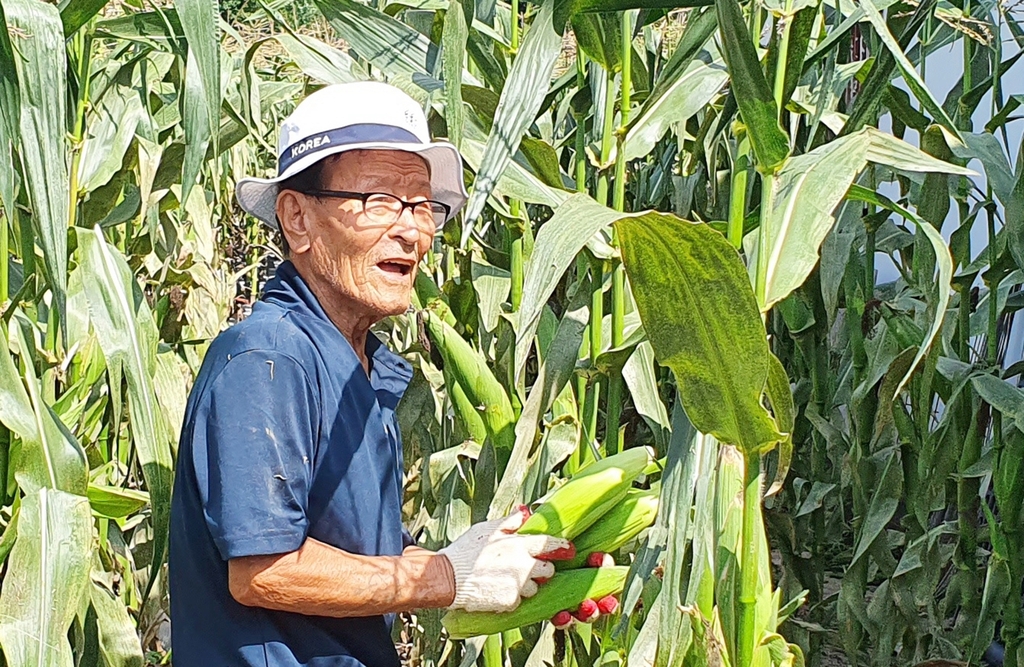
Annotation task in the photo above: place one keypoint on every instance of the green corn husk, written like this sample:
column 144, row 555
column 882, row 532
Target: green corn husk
column 566, row 590
column 426, row 294
column 469, row 369
column 620, row 525
column 580, row 502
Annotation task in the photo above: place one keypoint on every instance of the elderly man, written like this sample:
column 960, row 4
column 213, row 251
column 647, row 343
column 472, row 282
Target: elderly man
column 287, row 544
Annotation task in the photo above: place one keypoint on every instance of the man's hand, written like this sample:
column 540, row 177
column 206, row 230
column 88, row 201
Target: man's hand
column 495, row 568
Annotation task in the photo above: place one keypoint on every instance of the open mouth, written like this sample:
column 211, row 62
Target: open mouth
column 396, row 267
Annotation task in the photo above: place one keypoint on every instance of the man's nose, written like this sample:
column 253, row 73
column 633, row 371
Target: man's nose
column 407, row 229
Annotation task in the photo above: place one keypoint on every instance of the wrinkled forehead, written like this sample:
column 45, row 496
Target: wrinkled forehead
column 387, row 169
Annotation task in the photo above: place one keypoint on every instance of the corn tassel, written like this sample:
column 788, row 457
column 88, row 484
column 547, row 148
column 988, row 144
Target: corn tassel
column 580, row 502
column 566, row 590
column 621, row 524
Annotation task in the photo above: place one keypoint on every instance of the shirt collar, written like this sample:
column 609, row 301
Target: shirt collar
column 390, row 374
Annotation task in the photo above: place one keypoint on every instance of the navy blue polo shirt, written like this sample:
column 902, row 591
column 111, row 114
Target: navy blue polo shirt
column 285, row 437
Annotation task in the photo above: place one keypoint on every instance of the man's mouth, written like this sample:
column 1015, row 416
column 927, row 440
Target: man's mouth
column 397, row 267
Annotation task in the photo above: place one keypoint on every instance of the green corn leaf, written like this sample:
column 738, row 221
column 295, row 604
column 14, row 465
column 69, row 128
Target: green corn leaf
column 114, row 502
column 516, row 181
column 910, row 73
column 1003, row 116
column 684, row 86
column 600, row 35
column 110, row 130
column 687, row 277
column 683, row 467
column 868, row 104
column 554, row 373
column 15, row 407
column 558, row 242
column 624, row 5
column 543, row 159
column 780, row 396
column 809, row 188
column 320, row 61
column 38, row 39
column 199, row 22
column 154, row 29
column 690, row 92
column 944, row 269
column 200, row 102
column 76, row 13
column 885, row 497
column 47, row 575
column 196, row 124
column 1015, row 215
column 118, row 636
column 521, row 98
column 998, row 585
column 933, row 202
column 753, row 95
column 10, row 114
column 50, row 455
column 479, row 49
column 801, row 24
column 385, row 42
column 887, row 150
column 492, row 286
column 700, row 25
column 642, row 381
column 128, row 337
column 1002, row 396
column 987, row 149
column 453, row 45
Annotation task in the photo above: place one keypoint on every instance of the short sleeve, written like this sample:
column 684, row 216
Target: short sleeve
column 253, row 451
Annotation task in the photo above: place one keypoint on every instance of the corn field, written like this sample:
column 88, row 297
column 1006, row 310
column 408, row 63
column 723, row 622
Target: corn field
column 748, row 234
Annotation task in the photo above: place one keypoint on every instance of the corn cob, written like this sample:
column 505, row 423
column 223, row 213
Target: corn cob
column 427, row 295
column 566, row 590
column 465, row 411
column 621, row 524
column 580, row 502
column 469, row 369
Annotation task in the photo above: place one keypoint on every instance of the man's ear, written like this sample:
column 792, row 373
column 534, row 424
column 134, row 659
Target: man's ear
column 294, row 221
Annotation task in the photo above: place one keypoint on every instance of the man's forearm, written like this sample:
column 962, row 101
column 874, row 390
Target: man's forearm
column 320, row 580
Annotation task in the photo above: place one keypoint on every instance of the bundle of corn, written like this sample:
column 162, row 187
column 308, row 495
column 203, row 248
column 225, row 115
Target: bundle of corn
column 600, row 511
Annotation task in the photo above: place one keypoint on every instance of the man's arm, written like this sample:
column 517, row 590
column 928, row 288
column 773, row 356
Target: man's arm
column 321, row 580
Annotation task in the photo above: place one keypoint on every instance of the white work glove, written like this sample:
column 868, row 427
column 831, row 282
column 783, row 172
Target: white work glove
column 495, row 568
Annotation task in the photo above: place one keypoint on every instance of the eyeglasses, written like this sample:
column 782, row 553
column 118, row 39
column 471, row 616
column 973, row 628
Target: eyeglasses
column 384, row 209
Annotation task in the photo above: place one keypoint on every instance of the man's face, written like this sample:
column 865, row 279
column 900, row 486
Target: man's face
column 370, row 266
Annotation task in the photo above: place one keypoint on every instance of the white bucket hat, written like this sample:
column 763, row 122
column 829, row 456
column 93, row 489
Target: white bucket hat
column 353, row 116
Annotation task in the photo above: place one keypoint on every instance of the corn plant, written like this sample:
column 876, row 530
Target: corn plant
column 675, row 217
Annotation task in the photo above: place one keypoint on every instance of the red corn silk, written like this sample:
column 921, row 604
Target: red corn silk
column 561, row 620
column 567, row 553
column 588, row 612
column 609, row 604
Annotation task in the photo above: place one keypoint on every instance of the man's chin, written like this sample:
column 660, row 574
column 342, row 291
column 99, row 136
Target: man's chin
column 392, row 305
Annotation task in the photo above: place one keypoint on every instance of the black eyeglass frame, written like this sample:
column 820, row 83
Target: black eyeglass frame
column 364, row 196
